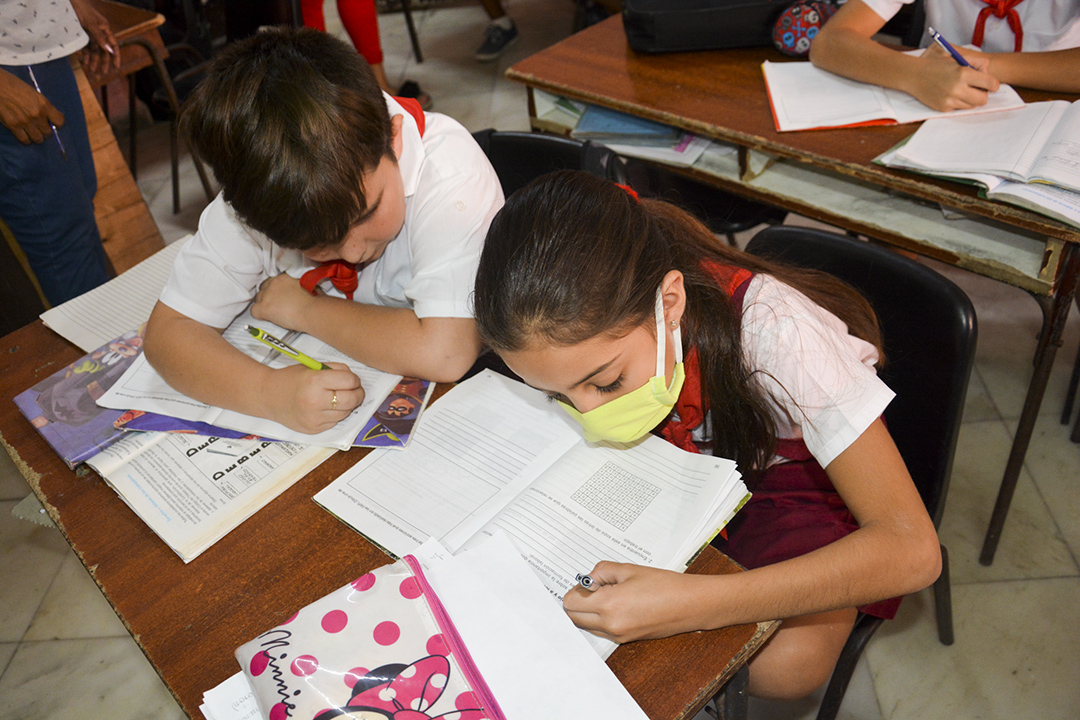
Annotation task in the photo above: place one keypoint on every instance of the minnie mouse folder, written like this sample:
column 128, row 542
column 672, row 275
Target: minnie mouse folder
column 434, row 637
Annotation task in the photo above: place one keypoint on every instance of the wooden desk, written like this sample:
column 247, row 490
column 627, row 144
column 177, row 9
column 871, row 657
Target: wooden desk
column 827, row 175
column 188, row 619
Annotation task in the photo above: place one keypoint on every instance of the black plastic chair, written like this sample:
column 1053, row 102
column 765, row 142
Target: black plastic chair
column 725, row 213
column 521, row 157
column 929, row 330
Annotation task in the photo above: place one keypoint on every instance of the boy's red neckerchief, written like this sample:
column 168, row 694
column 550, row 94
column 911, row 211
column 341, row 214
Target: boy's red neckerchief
column 343, row 274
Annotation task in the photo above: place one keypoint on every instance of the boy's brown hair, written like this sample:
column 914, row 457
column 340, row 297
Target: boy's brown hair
column 290, row 120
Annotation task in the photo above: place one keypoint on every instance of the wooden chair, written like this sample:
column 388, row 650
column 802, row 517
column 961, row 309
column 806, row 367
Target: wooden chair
column 929, row 331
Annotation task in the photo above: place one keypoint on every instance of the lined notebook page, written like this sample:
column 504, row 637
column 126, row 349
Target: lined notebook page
column 110, row 310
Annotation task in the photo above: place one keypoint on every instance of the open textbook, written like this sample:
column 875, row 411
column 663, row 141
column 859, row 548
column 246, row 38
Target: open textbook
column 494, row 455
column 1039, row 143
column 192, row 490
column 805, row 97
column 142, row 388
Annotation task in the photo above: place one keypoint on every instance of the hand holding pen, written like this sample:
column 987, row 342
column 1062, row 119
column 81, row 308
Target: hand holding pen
column 310, row 402
column 950, row 81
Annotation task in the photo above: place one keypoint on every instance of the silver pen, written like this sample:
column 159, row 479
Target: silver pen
column 54, row 133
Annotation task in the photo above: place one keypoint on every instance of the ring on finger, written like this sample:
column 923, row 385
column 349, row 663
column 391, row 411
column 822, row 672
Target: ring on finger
column 333, row 401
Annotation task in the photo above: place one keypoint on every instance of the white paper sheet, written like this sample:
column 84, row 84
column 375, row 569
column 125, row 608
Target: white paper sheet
column 142, row 388
column 110, row 310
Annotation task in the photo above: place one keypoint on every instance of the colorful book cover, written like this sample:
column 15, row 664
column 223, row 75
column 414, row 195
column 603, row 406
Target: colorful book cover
column 390, row 426
column 63, row 406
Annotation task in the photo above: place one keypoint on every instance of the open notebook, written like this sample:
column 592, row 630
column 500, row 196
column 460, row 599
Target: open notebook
column 805, row 97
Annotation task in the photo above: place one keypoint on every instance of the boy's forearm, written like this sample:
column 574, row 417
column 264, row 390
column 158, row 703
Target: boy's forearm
column 198, row 362
column 395, row 340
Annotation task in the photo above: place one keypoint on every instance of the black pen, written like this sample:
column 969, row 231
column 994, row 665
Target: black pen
column 54, row 133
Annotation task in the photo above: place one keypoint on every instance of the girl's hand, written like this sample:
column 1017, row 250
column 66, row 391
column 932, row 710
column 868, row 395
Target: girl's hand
column 946, row 85
column 633, row 602
column 283, row 302
column 304, row 399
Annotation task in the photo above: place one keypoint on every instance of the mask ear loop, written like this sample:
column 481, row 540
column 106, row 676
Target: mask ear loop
column 661, row 345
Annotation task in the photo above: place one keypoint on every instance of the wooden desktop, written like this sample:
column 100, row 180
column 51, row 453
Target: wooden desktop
column 188, row 619
column 828, row 175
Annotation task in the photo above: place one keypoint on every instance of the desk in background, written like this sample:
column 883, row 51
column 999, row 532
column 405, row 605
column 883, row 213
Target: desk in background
column 188, row 619
column 827, row 175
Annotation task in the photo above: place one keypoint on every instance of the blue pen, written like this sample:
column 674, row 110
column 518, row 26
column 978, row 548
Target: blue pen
column 947, row 47
column 54, row 133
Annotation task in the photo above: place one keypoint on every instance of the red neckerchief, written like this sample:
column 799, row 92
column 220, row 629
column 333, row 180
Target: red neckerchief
column 343, row 274
column 1001, row 9
column 690, row 407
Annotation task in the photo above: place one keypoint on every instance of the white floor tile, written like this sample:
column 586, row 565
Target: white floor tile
column 74, row 608
column 1016, row 654
column 12, row 484
column 1030, row 547
column 107, row 679
column 30, row 556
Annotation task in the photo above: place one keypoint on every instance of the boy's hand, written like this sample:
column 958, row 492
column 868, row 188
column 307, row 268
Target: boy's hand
column 946, row 85
column 313, row 401
column 102, row 54
column 282, row 301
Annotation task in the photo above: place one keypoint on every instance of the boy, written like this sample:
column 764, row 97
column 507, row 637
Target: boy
column 323, row 177
column 1033, row 44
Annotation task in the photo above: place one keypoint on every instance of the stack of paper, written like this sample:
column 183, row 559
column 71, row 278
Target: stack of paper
column 1035, row 161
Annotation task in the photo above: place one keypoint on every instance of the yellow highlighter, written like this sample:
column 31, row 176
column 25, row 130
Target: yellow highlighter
column 285, row 349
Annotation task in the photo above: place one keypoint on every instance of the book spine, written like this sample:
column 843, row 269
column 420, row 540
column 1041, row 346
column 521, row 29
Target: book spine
column 457, row 645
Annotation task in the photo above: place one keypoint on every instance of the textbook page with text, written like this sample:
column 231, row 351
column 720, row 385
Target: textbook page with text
column 495, row 455
column 192, row 490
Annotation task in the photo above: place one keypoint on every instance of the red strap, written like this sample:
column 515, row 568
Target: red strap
column 342, row 274
column 1001, row 9
column 412, row 106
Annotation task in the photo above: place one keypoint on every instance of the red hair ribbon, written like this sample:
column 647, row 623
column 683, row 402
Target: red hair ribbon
column 629, row 191
column 1001, row 9
column 342, row 274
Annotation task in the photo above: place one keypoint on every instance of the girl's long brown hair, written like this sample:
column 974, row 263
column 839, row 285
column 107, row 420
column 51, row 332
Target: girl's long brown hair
column 571, row 257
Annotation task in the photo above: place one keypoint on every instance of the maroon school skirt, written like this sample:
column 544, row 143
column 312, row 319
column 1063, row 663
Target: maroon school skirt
column 794, row 510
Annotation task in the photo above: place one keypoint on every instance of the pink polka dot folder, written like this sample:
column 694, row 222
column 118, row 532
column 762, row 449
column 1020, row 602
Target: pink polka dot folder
column 380, row 647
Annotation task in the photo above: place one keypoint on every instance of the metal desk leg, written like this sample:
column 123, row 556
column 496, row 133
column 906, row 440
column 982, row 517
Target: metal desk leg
column 1055, row 312
column 174, row 105
column 732, row 702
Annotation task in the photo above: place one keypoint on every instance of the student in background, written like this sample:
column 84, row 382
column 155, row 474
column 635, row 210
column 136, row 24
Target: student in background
column 328, row 184
column 1033, row 44
column 47, row 176
column 361, row 22
column 622, row 309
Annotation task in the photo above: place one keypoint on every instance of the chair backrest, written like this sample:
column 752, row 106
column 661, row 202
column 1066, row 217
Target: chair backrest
column 520, row 157
column 929, row 330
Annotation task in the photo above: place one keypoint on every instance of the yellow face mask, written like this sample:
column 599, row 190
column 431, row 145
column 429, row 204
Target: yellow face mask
column 630, row 416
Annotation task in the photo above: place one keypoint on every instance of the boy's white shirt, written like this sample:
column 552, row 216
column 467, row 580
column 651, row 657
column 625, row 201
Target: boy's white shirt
column 1047, row 24
column 451, row 196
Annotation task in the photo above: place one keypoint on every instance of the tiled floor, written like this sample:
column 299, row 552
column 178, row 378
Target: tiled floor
column 64, row 654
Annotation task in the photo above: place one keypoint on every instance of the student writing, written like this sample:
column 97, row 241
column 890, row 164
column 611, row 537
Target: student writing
column 1035, row 44
column 345, row 214
column 582, row 287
